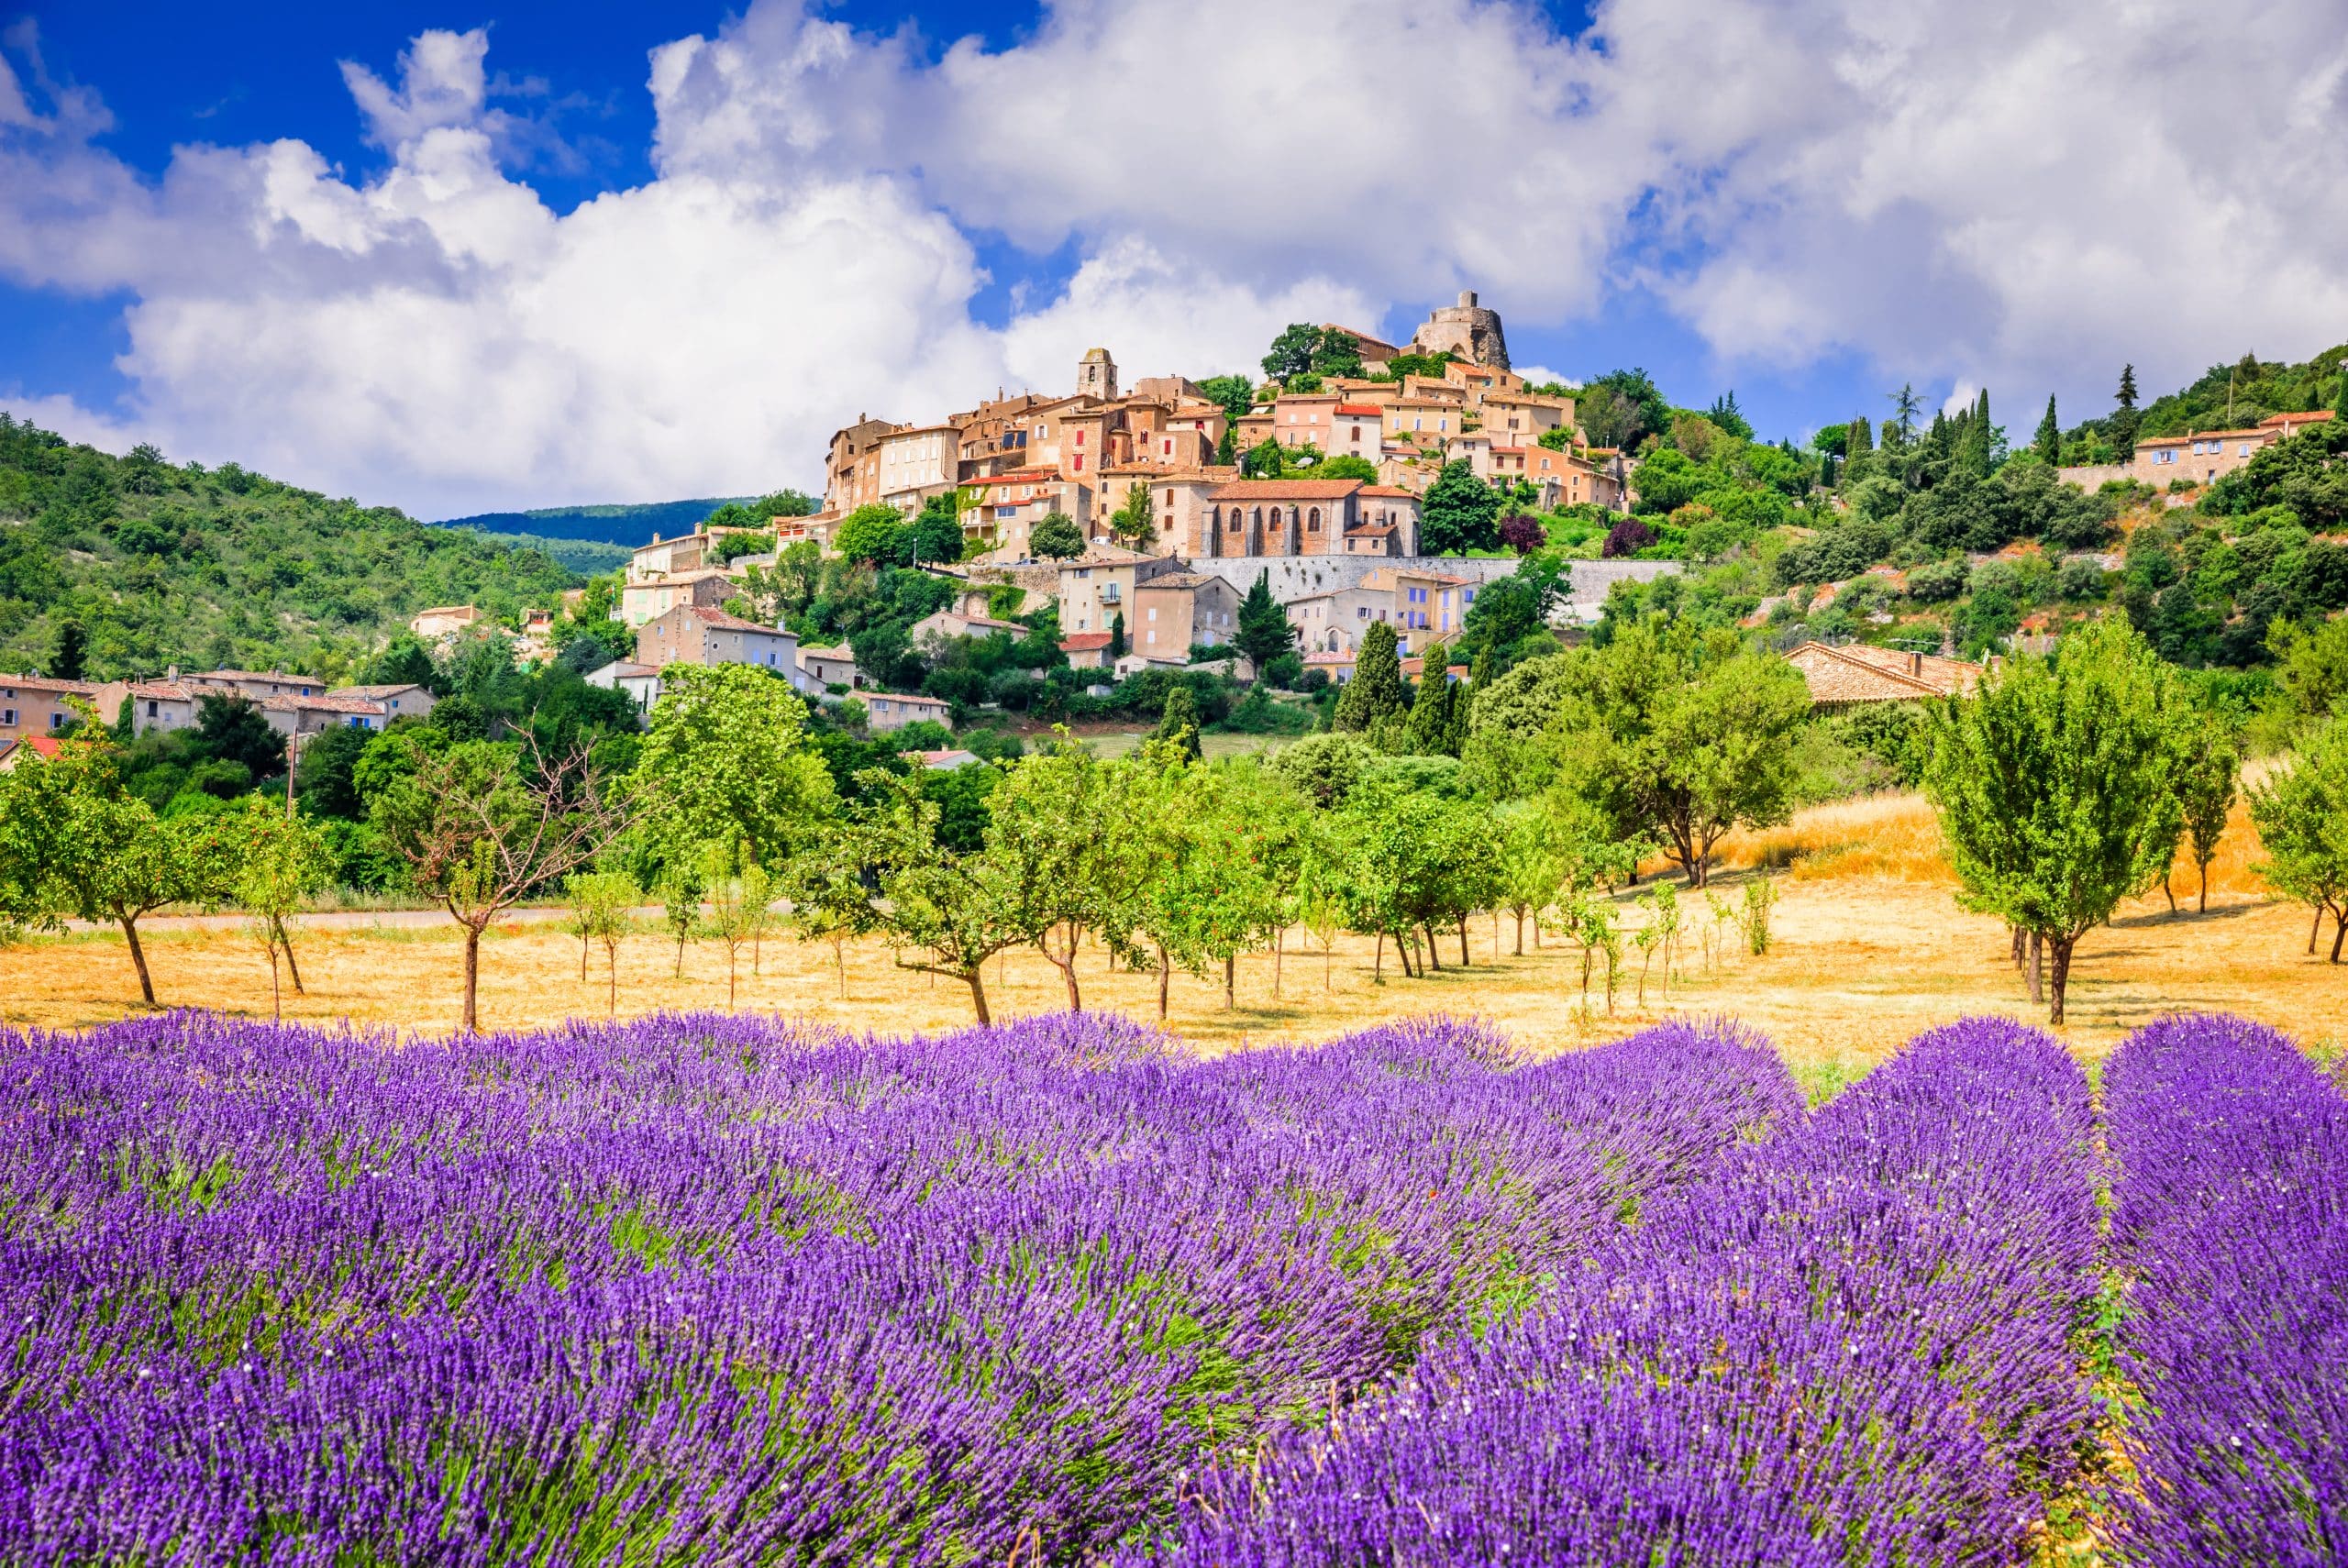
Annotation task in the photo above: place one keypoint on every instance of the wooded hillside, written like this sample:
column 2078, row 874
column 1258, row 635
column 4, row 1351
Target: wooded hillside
column 162, row 563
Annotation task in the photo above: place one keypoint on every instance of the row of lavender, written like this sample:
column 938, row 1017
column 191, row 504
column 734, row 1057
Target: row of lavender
column 1851, row 1346
column 721, row 1290
column 2230, row 1155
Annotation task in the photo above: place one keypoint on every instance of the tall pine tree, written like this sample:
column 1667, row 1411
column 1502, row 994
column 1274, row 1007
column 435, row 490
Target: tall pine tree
column 1263, row 631
column 2048, row 442
column 1862, row 436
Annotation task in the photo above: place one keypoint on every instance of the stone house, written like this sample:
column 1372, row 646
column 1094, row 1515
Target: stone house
column 1177, row 611
column 1099, row 585
column 1301, row 517
column 1338, row 666
column 1848, row 674
column 300, row 717
column 917, row 461
column 886, row 710
column 34, row 705
column 699, row 633
column 852, row 467
column 2204, row 456
column 1180, row 500
column 399, row 700
column 642, row 603
column 641, row 683
column 1429, row 606
column 830, row 667
column 167, row 704
column 1356, row 430
column 258, row 684
column 442, row 620
column 948, row 623
column 1333, row 622
column 1007, row 507
column 1086, row 650
column 1431, row 418
column 1305, row 419
column 1522, row 418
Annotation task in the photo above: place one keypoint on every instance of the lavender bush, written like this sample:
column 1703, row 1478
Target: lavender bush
column 1851, row 1345
column 720, row 1289
column 2231, row 1151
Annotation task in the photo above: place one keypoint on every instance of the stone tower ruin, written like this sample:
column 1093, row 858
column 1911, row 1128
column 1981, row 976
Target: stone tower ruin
column 1468, row 329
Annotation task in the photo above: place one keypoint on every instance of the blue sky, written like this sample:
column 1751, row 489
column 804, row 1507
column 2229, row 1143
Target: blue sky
column 516, row 254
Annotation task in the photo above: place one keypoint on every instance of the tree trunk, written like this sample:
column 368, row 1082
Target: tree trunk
column 1230, row 967
column 976, row 976
column 582, row 958
column 1433, row 956
column 2037, row 961
column 1280, row 956
column 1519, row 933
column 2205, row 887
column 472, row 979
column 2062, row 976
column 2171, row 891
column 138, row 958
column 2021, row 945
column 1463, row 942
column 2339, row 930
column 680, row 955
column 1066, row 966
column 730, row 960
column 276, row 1007
column 286, row 940
column 1329, row 964
column 1378, row 960
column 1165, row 977
column 611, row 963
column 2314, row 927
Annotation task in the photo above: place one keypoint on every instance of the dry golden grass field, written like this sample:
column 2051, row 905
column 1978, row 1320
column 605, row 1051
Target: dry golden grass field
column 1870, row 947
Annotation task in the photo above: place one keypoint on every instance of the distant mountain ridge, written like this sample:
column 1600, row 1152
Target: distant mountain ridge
column 625, row 526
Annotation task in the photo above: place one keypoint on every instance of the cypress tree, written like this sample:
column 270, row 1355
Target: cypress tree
column 1430, row 724
column 1862, row 437
column 1973, row 449
column 1117, row 635
column 1376, row 691
column 2049, row 440
column 1263, row 631
column 2126, row 396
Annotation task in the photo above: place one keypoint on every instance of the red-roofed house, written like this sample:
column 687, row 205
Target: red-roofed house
column 13, row 751
column 1304, row 518
column 1086, row 650
column 2202, row 456
column 1356, row 430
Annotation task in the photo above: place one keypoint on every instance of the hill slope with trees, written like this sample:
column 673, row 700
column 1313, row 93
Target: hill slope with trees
column 160, row 564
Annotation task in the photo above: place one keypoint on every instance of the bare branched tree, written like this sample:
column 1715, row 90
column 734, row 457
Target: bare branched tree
column 483, row 825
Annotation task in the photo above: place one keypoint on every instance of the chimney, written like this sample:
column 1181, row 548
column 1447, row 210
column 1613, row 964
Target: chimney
column 1916, row 663
column 170, row 672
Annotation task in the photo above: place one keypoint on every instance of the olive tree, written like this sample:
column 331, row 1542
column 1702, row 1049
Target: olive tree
column 2207, row 784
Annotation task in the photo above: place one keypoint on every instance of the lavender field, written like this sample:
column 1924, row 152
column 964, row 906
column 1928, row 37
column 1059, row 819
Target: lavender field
column 707, row 1289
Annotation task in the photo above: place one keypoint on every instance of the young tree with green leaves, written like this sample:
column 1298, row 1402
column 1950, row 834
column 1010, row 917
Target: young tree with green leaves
column 1529, row 869
column 727, row 759
column 1376, row 690
column 2208, row 781
column 600, row 903
column 874, row 532
column 829, row 903
column 680, row 890
column 2301, row 811
column 483, row 824
column 1459, row 512
column 1061, row 827
column 956, row 909
column 1057, row 538
column 75, row 843
column 739, row 892
column 2056, row 787
column 1132, row 524
column 275, row 864
column 1681, row 732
